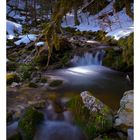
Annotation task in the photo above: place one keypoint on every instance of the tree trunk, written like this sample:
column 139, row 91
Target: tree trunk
column 76, row 21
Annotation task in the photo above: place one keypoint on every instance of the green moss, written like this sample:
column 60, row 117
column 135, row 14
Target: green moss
column 65, row 59
column 56, row 83
column 25, row 71
column 127, row 46
column 92, row 123
column 28, row 123
column 12, row 77
column 120, row 60
column 33, row 85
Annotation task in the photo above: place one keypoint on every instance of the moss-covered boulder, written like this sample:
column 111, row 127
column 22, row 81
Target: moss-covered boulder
column 91, row 114
column 12, row 77
column 28, row 123
column 26, row 70
column 55, row 83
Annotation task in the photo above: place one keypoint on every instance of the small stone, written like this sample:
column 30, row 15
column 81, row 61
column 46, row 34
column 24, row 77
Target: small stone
column 14, row 84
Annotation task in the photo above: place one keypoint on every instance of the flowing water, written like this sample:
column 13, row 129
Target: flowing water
column 88, row 59
column 58, row 130
column 87, row 74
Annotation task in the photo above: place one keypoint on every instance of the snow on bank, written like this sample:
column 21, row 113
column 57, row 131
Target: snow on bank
column 12, row 28
column 41, row 43
column 121, row 24
column 119, row 33
column 25, row 39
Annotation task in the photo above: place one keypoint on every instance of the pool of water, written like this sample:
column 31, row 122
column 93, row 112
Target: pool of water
column 104, row 83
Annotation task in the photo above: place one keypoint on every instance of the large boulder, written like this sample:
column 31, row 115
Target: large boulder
column 28, row 123
column 96, row 106
column 124, row 119
column 91, row 114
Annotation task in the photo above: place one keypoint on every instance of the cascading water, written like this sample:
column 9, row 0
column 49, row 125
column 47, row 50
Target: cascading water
column 88, row 59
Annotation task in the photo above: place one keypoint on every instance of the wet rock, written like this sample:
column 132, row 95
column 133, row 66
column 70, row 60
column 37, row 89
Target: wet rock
column 56, row 83
column 28, row 123
column 124, row 119
column 14, row 84
column 101, row 116
column 91, row 114
column 95, row 105
column 37, row 104
column 12, row 77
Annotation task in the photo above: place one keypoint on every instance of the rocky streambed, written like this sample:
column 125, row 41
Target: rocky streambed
column 46, row 103
column 84, row 117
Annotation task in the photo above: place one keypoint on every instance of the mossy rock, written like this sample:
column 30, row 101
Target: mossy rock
column 56, row 83
column 12, row 77
column 44, row 80
column 39, row 104
column 32, row 85
column 28, row 123
column 92, row 123
column 25, row 71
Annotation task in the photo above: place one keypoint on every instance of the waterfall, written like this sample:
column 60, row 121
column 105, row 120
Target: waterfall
column 88, row 58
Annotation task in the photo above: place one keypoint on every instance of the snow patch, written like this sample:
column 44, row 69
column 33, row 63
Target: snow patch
column 25, row 39
column 12, row 29
column 41, row 43
column 116, row 25
column 120, row 33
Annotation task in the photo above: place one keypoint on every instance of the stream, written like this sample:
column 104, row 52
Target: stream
column 87, row 73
